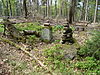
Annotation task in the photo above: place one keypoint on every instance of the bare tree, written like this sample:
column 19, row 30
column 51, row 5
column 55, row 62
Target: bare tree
column 4, row 7
column 10, row 8
column 56, row 7
column 72, row 11
column 7, row 8
column 95, row 14
column 86, row 10
column 83, row 10
column 25, row 8
column 48, row 8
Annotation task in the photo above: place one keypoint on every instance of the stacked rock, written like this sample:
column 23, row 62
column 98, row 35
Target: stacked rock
column 67, row 35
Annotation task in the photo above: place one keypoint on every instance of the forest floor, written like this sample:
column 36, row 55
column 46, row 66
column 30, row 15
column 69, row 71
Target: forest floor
column 13, row 61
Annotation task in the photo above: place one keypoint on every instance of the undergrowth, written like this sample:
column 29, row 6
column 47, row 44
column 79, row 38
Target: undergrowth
column 1, row 28
column 57, row 63
column 54, row 58
column 89, row 66
column 91, row 47
column 29, row 26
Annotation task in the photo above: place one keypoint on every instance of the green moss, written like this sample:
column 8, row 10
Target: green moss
column 29, row 26
column 1, row 28
column 72, row 27
column 57, row 27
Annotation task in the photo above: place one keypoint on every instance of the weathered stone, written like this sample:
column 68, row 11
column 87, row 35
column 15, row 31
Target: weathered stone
column 69, row 56
column 46, row 34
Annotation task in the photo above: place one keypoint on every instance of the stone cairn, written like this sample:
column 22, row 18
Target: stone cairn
column 46, row 34
column 67, row 35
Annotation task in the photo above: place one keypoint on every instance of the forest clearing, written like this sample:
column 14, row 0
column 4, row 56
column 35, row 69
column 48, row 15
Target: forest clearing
column 49, row 37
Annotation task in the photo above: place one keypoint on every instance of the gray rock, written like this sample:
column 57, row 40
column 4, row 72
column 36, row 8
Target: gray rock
column 46, row 35
column 69, row 56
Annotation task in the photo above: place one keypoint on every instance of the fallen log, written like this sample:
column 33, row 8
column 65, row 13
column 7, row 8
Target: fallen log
column 30, row 32
column 13, row 22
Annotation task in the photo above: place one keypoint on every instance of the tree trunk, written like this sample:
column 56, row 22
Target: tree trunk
column 55, row 8
column 3, row 7
column 86, row 10
column 25, row 8
column 10, row 8
column 72, row 11
column 20, row 4
column 7, row 8
column 95, row 14
column 83, row 10
column 48, row 9
column 60, row 9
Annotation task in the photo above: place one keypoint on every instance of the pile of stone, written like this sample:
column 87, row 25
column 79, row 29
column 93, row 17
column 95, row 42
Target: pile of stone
column 67, row 35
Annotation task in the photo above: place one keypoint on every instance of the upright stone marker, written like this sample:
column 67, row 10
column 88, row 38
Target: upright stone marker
column 46, row 34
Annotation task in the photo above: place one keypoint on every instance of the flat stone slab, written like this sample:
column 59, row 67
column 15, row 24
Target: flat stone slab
column 46, row 35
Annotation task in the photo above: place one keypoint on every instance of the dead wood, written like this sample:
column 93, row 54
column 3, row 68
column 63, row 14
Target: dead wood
column 30, row 32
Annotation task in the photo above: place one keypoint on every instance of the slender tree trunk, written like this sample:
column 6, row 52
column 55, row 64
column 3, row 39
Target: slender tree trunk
column 18, row 11
column 86, row 10
column 21, row 7
column 48, row 8
column 55, row 8
column 95, row 14
column 68, row 8
column 7, row 8
column 72, row 11
column 4, row 8
column 61, row 10
column 83, row 10
column 25, row 8
column 30, row 5
column 10, row 8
